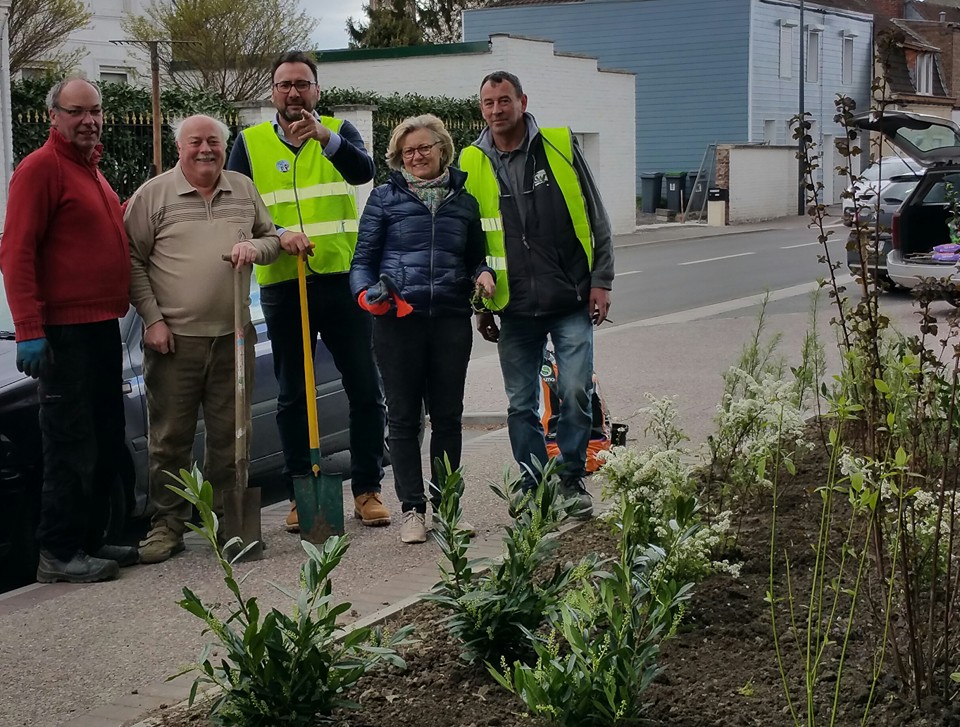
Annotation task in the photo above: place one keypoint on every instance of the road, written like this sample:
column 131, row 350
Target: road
column 665, row 277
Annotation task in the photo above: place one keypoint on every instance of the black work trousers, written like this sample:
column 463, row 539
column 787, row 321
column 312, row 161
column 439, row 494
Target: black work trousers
column 82, row 425
column 422, row 359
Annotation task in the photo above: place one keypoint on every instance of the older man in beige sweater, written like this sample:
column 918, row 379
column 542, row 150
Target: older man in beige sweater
column 180, row 224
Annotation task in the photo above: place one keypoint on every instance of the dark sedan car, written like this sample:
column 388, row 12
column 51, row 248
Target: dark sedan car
column 20, row 451
column 892, row 196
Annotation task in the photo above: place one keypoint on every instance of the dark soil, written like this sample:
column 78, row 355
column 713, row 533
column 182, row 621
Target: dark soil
column 720, row 669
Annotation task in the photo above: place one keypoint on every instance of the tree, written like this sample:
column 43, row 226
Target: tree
column 391, row 24
column 442, row 20
column 231, row 43
column 38, row 29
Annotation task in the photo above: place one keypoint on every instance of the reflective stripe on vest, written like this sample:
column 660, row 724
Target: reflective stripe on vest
column 303, row 193
column 482, row 184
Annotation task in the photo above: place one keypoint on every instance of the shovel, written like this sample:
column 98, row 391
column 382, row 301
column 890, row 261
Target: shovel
column 319, row 496
column 241, row 504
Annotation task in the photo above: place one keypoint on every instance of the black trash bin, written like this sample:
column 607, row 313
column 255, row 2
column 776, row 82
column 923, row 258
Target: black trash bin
column 650, row 184
column 675, row 183
column 696, row 191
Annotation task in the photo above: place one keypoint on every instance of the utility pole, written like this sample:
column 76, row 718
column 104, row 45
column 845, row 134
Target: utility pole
column 6, row 111
column 802, row 147
column 153, row 45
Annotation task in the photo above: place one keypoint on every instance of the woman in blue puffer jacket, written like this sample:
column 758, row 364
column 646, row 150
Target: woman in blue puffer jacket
column 419, row 259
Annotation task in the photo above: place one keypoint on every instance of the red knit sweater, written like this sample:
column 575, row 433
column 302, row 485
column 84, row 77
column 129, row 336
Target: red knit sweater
column 64, row 253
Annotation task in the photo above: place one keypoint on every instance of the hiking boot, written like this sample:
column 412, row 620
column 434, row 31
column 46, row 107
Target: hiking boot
column 369, row 509
column 161, row 543
column 573, row 489
column 292, row 523
column 413, row 528
column 123, row 555
column 81, row 568
column 462, row 527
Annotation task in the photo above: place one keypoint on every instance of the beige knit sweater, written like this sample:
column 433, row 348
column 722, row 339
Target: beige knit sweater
column 177, row 238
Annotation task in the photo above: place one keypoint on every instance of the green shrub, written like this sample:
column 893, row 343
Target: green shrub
column 601, row 652
column 280, row 669
column 490, row 611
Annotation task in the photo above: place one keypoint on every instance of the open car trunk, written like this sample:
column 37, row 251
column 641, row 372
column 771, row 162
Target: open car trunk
column 935, row 144
column 925, row 216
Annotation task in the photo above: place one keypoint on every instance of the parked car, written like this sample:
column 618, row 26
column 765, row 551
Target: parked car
column 20, row 450
column 873, row 179
column 877, row 228
column 921, row 222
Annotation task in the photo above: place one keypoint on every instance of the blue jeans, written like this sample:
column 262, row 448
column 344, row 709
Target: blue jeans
column 521, row 347
column 346, row 331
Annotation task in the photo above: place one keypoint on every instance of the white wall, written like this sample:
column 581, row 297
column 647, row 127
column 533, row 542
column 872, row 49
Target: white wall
column 95, row 39
column 763, row 183
column 563, row 90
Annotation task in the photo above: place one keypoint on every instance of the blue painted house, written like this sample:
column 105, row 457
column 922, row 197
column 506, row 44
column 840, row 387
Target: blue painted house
column 707, row 71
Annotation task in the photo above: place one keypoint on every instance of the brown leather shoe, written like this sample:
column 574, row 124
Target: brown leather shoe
column 292, row 523
column 369, row 508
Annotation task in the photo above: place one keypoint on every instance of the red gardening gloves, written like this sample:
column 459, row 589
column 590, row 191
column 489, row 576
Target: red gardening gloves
column 377, row 298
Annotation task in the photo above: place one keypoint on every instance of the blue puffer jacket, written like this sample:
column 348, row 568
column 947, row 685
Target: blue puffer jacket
column 433, row 258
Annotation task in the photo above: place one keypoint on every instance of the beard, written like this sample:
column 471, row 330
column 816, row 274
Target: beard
column 290, row 114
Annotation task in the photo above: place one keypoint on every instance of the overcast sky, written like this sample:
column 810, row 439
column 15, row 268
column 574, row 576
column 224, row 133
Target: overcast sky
column 332, row 15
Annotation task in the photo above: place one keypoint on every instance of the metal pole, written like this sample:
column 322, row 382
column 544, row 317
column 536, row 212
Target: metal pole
column 155, row 80
column 802, row 147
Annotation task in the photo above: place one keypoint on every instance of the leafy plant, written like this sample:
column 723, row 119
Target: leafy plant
column 279, row 669
column 659, row 486
column 601, row 652
column 490, row 610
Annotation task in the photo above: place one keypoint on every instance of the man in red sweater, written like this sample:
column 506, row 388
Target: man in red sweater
column 66, row 271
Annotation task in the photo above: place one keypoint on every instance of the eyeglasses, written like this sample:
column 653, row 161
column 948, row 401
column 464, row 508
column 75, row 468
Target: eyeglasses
column 424, row 149
column 76, row 113
column 301, row 86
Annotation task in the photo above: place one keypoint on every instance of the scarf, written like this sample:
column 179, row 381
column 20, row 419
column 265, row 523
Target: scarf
column 430, row 191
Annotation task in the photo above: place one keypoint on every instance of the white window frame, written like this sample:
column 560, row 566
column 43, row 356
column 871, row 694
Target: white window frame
column 115, row 71
column 786, row 49
column 846, row 62
column 923, row 77
column 813, row 51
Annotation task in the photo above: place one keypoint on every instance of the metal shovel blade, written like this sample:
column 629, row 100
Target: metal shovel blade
column 319, row 506
column 241, row 511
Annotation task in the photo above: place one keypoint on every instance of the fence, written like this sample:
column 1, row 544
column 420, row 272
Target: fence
column 127, row 145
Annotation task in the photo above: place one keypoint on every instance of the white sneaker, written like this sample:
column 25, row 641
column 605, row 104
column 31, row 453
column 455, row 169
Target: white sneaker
column 463, row 526
column 412, row 527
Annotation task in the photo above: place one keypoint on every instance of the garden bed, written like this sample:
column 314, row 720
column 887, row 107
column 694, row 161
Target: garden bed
column 719, row 668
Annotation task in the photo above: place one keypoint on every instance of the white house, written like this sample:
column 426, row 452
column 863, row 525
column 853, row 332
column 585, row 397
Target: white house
column 564, row 89
column 103, row 60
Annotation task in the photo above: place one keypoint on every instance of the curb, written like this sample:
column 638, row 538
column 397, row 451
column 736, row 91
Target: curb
column 484, row 419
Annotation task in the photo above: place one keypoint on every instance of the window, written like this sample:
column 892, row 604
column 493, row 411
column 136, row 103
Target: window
column 786, row 51
column 769, row 131
column 34, row 74
column 813, row 56
column 847, row 61
column 113, row 75
column 923, row 77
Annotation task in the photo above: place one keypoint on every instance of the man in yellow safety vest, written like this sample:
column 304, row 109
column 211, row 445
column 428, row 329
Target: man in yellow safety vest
column 305, row 167
column 549, row 241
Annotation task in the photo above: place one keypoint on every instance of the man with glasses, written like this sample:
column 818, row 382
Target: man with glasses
column 548, row 239
column 305, row 167
column 66, row 273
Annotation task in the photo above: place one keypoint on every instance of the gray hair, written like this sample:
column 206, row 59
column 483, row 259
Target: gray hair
column 177, row 126
column 424, row 121
column 53, row 95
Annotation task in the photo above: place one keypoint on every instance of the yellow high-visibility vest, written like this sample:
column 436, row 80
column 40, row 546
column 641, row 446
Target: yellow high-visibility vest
column 482, row 183
column 305, row 193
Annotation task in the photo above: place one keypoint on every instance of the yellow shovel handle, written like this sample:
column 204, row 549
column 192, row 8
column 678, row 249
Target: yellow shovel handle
column 313, row 426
